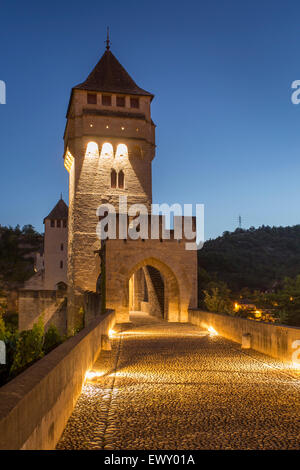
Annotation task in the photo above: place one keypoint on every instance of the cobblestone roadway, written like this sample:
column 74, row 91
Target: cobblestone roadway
column 171, row 386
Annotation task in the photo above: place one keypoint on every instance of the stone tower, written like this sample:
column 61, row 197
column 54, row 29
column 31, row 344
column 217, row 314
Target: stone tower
column 109, row 146
column 56, row 246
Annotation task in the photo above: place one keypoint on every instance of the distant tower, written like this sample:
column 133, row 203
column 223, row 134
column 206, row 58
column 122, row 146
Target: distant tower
column 56, row 246
column 240, row 221
column 109, row 148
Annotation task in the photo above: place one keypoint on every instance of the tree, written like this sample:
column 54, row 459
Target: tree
column 287, row 301
column 29, row 347
column 217, row 298
column 2, row 329
column 52, row 339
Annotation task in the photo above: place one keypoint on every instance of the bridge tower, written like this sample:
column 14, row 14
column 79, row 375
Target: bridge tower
column 109, row 145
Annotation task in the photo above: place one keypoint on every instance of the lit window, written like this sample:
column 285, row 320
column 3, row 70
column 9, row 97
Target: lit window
column 68, row 162
column 121, row 179
column 134, row 103
column 106, row 100
column 121, row 101
column 107, row 150
column 122, row 151
column 92, row 98
column 113, row 179
column 92, row 150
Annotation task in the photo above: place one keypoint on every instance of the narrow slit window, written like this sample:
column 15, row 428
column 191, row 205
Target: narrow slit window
column 134, row 103
column 121, row 179
column 91, row 98
column 61, row 264
column 113, row 179
column 58, row 223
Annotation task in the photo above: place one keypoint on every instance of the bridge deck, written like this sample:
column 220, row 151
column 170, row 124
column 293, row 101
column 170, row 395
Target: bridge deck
column 172, row 386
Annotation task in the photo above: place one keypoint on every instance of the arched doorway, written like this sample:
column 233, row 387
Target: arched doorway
column 153, row 289
column 147, row 292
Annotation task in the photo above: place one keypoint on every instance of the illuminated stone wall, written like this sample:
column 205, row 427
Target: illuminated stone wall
column 271, row 339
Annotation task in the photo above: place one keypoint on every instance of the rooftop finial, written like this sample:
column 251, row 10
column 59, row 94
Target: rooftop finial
column 108, row 42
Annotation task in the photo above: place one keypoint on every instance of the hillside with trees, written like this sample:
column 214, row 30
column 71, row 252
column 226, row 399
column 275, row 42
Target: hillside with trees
column 254, row 258
column 17, row 248
column 253, row 274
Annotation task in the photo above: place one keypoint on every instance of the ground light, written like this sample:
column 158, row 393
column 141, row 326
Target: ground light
column 92, row 374
column 212, row 331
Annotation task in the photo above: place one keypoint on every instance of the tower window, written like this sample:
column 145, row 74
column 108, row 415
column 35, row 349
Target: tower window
column 92, row 149
column 52, row 223
column 113, row 179
column 64, row 223
column 121, row 179
column 106, row 100
column 107, row 150
column 121, row 101
column 58, row 223
column 122, row 150
column 61, row 264
column 61, row 247
column 134, row 103
column 92, row 98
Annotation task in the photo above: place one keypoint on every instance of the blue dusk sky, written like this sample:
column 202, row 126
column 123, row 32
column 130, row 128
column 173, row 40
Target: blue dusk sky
column 228, row 134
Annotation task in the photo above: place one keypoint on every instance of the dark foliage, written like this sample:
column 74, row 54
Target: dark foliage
column 16, row 254
column 255, row 258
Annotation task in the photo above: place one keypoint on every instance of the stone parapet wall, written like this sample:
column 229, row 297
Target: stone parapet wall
column 268, row 338
column 50, row 304
column 36, row 405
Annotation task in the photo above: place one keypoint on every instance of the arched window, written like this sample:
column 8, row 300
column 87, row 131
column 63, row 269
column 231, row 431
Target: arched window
column 113, row 179
column 121, row 179
column 122, row 151
column 107, row 150
column 92, row 150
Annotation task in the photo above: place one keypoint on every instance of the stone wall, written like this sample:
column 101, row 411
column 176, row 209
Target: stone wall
column 92, row 306
column 35, row 406
column 267, row 338
column 49, row 303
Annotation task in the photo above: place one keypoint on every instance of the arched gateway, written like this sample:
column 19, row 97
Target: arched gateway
column 157, row 277
column 153, row 288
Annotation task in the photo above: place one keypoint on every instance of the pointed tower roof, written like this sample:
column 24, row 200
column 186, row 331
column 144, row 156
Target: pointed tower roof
column 110, row 76
column 59, row 211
